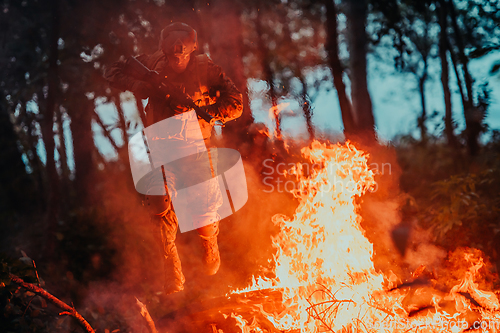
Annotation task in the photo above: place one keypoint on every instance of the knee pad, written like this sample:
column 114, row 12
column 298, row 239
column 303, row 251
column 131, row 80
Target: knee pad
column 157, row 204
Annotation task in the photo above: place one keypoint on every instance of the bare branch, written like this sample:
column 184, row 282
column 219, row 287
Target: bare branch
column 54, row 300
column 147, row 317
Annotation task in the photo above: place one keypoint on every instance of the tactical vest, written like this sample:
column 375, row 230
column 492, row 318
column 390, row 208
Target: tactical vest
column 194, row 80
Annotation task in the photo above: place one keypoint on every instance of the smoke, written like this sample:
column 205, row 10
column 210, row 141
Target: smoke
column 137, row 266
column 421, row 251
column 128, row 263
column 132, row 234
column 388, row 218
column 245, row 241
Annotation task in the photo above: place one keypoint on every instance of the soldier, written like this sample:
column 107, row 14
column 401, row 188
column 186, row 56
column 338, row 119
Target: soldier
column 216, row 94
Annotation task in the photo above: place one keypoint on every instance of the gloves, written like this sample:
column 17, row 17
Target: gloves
column 178, row 105
column 212, row 110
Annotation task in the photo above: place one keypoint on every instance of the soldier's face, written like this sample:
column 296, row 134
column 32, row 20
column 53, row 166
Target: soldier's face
column 178, row 61
column 178, row 46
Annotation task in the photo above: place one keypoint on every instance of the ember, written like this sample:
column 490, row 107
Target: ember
column 324, row 269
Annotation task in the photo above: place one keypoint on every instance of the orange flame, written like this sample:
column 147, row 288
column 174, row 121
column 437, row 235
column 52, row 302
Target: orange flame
column 324, row 267
column 274, row 111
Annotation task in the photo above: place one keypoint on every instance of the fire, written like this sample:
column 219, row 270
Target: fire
column 324, row 267
column 275, row 114
column 324, row 244
column 274, row 111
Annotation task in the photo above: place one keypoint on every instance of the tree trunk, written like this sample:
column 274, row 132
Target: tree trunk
column 295, row 65
column 52, row 211
column 14, row 181
column 36, row 163
column 121, row 118
column 457, row 74
column 224, row 37
column 361, row 100
column 306, row 107
column 63, row 158
column 83, row 147
column 423, row 117
column 140, row 110
column 473, row 118
column 460, row 48
column 47, row 110
column 336, row 68
column 448, row 120
column 62, row 144
column 268, row 73
column 423, row 46
column 29, row 138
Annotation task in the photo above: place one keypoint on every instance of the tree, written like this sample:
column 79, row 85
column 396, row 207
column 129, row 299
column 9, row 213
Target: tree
column 460, row 31
column 468, row 32
column 14, row 180
column 223, row 29
column 31, row 76
column 361, row 101
column 337, row 68
column 443, row 50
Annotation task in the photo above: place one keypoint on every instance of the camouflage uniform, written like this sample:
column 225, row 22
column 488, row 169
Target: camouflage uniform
column 209, row 88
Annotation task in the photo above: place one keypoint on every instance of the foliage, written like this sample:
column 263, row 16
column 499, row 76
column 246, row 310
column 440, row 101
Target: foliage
column 461, row 201
column 456, row 198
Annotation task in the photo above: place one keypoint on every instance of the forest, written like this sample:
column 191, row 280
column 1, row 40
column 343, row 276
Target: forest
column 72, row 224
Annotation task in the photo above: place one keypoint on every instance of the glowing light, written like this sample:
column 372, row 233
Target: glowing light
column 324, row 263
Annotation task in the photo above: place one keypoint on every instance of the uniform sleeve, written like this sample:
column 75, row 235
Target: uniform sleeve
column 117, row 78
column 229, row 101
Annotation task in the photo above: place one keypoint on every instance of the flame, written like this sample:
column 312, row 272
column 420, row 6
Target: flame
column 486, row 299
column 274, row 111
column 245, row 326
column 324, row 267
column 323, row 247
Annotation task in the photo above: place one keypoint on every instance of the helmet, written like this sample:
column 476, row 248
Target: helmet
column 178, row 39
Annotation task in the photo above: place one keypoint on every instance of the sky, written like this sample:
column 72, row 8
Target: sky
column 395, row 99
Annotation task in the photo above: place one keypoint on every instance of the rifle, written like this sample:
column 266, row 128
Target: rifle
column 137, row 70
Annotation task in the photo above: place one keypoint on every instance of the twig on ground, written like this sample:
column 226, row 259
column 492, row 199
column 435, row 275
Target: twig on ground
column 54, row 300
column 147, row 317
column 36, row 273
column 38, row 282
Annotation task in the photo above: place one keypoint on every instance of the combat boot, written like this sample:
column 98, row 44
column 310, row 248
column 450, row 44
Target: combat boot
column 174, row 278
column 211, row 256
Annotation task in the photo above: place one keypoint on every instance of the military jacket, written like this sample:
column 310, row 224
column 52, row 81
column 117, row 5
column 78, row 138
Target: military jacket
column 202, row 80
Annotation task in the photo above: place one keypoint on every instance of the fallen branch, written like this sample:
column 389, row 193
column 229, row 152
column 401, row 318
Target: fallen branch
column 147, row 317
column 69, row 310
